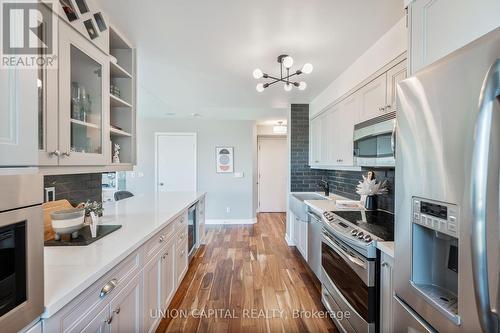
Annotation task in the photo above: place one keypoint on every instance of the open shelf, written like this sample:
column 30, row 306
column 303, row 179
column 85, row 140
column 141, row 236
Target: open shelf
column 83, row 123
column 117, row 132
column 118, row 102
column 118, row 71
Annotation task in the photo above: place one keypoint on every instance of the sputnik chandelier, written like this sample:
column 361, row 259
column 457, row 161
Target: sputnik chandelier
column 286, row 62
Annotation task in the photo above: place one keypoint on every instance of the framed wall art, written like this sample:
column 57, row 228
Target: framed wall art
column 224, row 159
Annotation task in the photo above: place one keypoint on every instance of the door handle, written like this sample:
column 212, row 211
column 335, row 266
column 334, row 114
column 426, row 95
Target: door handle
column 479, row 196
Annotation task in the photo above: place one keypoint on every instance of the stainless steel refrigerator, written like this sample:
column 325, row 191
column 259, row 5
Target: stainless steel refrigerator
column 446, row 273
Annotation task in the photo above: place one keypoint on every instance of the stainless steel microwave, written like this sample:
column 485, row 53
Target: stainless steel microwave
column 374, row 142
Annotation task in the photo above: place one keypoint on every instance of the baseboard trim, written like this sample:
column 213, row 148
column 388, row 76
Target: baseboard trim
column 288, row 240
column 232, row 221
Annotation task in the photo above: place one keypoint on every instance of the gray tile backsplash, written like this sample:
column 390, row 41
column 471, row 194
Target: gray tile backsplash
column 76, row 188
column 304, row 179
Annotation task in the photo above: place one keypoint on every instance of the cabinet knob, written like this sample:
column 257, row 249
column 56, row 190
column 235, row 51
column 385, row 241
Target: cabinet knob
column 55, row 153
column 161, row 184
column 381, row 109
column 66, row 154
column 165, row 256
column 384, row 264
column 182, row 253
column 109, row 320
column 162, row 238
column 117, row 311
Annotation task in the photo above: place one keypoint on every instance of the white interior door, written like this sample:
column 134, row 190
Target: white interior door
column 176, row 162
column 272, row 167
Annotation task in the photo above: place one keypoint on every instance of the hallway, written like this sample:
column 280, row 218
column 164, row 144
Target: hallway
column 246, row 279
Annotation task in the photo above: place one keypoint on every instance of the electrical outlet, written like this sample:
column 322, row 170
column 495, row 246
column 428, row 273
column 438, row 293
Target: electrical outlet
column 228, row 210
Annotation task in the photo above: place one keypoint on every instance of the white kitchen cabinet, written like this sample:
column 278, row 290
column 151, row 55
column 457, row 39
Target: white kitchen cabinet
column 315, row 135
column 181, row 261
column 100, row 323
column 152, row 290
column 373, row 98
column 394, row 75
column 167, row 274
column 294, row 231
column 303, row 232
column 83, row 101
column 343, row 128
column 18, row 114
column 386, row 294
column 126, row 310
column 439, row 27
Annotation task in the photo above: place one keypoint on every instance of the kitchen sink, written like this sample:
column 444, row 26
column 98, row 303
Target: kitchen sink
column 297, row 205
column 309, row 196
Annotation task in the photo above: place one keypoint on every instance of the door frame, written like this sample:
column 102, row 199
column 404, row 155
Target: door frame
column 195, row 135
column 272, row 137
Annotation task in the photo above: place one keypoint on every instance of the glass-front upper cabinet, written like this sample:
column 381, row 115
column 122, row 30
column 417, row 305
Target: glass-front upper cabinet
column 47, row 117
column 83, row 101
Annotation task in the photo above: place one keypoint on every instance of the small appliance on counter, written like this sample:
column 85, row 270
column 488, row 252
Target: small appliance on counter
column 349, row 264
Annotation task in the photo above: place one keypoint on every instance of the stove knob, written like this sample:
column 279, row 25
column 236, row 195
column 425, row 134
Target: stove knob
column 360, row 235
column 367, row 238
column 354, row 232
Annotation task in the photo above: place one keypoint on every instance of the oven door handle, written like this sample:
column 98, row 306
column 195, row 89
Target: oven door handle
column 345, row 255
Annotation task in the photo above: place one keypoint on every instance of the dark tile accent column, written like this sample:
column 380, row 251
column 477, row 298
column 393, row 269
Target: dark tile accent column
column 302, row 177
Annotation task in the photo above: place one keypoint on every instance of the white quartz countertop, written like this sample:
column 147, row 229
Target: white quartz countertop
column 387, row 248
column 329, row 205
column 69, row 270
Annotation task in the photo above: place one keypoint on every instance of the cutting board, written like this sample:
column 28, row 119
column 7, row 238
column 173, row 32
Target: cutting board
column 48, row 208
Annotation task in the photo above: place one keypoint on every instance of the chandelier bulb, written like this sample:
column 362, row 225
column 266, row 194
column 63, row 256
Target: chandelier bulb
column 288, row 61
column 307, row 68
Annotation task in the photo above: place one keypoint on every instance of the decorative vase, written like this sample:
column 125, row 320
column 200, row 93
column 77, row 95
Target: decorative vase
column 371, row 202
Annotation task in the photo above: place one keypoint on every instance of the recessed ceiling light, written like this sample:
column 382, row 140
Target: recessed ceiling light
column 194, row 114
column 169, row 113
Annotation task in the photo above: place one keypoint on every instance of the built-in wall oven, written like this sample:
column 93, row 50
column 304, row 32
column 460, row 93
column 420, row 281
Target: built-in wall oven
column 374, row 141
column 21, row 251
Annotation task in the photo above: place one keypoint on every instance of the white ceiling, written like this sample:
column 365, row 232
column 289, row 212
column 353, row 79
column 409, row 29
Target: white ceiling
column 198, row 56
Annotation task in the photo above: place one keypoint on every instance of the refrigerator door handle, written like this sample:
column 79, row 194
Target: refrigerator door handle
column 479, row 179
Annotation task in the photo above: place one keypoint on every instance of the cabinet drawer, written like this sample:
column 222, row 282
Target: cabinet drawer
column 75, row 316
column 156, row 242
column 181, row 221
column 182, row 236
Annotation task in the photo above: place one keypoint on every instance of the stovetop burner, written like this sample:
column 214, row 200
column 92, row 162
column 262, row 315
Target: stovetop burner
column 377, row 222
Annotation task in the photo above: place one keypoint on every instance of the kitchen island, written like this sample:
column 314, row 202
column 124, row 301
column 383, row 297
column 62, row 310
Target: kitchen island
column 73, row 270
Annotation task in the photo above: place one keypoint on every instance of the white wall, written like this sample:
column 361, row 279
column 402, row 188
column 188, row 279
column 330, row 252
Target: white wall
column 388, row 47
column 223, row 190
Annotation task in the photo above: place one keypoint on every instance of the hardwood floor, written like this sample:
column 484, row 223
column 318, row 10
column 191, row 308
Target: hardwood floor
column 246, row 279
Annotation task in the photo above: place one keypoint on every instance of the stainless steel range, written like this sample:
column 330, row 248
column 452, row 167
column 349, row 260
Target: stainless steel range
column 350, row 266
